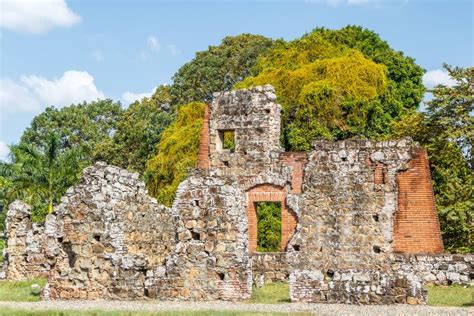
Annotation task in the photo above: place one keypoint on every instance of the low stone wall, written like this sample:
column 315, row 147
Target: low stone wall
column 402, row 283
column 440, row 269
column 25, row 245
column 269, row 267
column 356, row 287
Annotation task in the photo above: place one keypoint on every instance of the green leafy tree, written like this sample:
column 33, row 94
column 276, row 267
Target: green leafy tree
column 176, row 152
column 405, row 86
column 218, row 68
column 446, row 129
column 324, row 89
column 40, row 176
column 268, row 226
column 338, row 84
column 138, row 132
column 81, row 126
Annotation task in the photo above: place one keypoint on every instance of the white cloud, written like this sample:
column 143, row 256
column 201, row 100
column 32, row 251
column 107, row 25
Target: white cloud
column 130, row 97
column 154, row 43
column 173, row 50
column 32, row 93
column 36, row 16
column 436, row 77
column 4, row 151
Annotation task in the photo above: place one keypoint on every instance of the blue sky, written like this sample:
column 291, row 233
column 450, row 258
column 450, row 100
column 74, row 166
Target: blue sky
column 57, row 52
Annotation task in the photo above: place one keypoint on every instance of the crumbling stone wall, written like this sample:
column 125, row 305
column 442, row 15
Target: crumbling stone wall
column 269, row 267
column 211, row 260
column 341, row 221
column 25, row 245
column 345, row 233
column 113, row 236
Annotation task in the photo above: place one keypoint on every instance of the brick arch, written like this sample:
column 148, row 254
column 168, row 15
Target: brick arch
column 269, row 193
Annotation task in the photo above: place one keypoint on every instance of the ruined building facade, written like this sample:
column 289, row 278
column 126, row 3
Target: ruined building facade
column 359, row 223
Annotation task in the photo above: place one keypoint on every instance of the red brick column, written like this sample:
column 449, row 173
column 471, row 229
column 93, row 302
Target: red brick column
column 296, row 160
column 416, row 220
column 203, row 154
column 269, row 193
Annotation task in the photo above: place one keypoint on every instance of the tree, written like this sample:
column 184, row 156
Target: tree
column 40, row 176
column 405, row 86
column 218, row 68
column 325, row 90
column 176, row 152
column 446, row 129
column 338, row 84
column 81, row 126
column 268, row 226
column 138, row 132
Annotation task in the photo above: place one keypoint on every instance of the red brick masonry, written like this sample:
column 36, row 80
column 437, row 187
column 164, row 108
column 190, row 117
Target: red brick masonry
column 203, row 154
column 416, row 221
column 297, row 160
column 269, row 193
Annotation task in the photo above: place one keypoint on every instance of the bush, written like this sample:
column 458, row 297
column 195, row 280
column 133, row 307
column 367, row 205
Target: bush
column 177, row 152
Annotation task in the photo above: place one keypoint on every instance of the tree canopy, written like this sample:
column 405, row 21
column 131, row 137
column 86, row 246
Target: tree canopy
column 218, row 68
column 40, row 175
column 337, row 84
column 176, row 152
column 446, row 129
column 81, row 126
column 138, row 131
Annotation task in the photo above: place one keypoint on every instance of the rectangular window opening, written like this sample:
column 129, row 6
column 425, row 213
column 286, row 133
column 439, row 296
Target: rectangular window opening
column 268, row 226
column 227, row 140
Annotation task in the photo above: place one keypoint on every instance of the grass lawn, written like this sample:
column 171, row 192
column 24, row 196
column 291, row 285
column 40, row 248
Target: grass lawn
column 271, row 293
column 19, row 291
column 453, row 295
column 2, row 245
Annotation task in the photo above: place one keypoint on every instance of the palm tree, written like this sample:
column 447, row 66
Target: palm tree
column 40, row 177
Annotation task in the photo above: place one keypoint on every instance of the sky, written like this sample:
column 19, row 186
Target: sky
column 58, row 52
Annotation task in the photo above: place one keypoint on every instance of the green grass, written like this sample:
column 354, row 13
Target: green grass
column 2, row 245
column 271, row 293
column 453, row 295
column 17, row 312
column 19, row 291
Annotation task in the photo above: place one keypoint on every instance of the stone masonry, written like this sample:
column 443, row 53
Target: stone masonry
column 359, row 223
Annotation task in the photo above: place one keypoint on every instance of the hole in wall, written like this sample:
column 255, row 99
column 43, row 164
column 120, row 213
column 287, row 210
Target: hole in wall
column 450, row 282
column 269, row 235
column 226, row 163
column 196, row 202
column 330, row 274
column 344, row 158
column 226, row 140
column 60, row 239
column 377, row 249
column 267, row 111
column 195, row 235
column 96, row 237
column 71, row 256
column 221, row 275
column 375, row 217
column 321, row 249
column 296, row 247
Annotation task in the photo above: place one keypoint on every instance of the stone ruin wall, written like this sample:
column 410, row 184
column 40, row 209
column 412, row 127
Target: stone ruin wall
column 109, row 236
column 347, row 208
column 26, row 242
